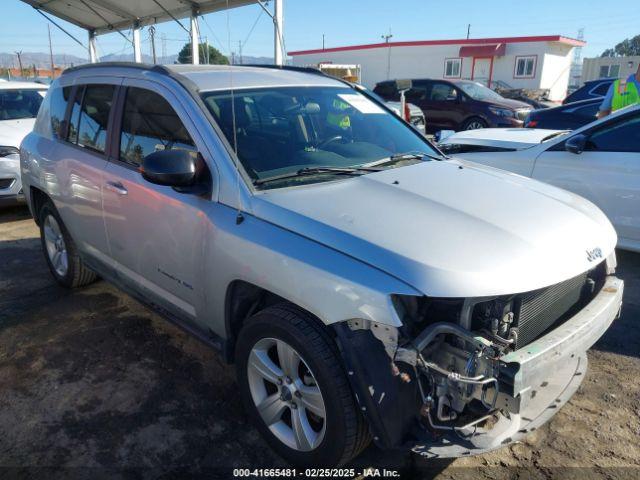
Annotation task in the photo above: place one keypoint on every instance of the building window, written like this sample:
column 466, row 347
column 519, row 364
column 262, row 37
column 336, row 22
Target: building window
column 452, row 67
column 609, row 71
column 525, row 67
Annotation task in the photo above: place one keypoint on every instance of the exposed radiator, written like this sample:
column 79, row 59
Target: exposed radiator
column 540, row 309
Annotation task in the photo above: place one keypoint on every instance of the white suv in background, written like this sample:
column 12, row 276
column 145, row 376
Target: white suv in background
column 19, row 105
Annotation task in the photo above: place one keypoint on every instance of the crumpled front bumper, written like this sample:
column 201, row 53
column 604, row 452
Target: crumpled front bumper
column 535, row 382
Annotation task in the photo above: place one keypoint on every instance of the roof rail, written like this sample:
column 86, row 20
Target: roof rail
column 312, row 70
column 138, row 66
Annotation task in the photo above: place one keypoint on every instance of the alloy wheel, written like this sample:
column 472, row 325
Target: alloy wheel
column 286, row 394
column 56, row 247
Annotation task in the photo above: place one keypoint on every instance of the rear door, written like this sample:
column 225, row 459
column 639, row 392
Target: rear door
column 155, row 233
column 81, row 157
column 607, row 172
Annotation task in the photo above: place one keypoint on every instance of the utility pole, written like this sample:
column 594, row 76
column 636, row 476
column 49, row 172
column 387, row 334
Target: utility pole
column 152, row 37
column 20, row 61
column 240, row 51
column 207, row 52
column 468, row 30
column 163, row 39
column 386, row 40
column 53, row 68
column 323, row 41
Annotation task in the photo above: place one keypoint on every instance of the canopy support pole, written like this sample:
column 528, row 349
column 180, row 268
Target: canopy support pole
column 195, row 38
column 137, row 51
column 278, row 24
column 93, row 51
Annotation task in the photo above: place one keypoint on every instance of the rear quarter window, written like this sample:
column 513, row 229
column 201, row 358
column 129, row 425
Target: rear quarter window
column 52, row 111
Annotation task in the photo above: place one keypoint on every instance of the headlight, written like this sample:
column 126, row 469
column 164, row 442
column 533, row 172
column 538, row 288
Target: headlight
column 502, row 112
column 5, row 151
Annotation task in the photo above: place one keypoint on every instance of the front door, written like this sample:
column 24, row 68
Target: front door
column 155, row 233
column 443, row 107
column 607, row 172
column 482, row 70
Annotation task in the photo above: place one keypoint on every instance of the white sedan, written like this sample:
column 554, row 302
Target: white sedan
column 19, row 104
column 600, row 161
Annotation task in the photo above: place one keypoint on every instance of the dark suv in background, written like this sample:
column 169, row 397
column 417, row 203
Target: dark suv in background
column 590, row 89
column 458, row 104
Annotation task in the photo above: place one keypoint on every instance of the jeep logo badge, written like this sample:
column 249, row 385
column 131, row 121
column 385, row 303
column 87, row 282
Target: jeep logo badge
column 593, row 254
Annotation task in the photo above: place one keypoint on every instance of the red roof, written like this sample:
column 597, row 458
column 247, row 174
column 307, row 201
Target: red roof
column 466, row 41
column 493, row 50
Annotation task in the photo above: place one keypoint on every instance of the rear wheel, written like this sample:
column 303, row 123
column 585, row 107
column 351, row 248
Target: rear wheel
column 474, row 123
column 294, row 387
column 60, row 251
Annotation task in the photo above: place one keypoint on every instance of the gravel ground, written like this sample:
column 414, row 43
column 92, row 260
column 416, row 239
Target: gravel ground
column 94, row 385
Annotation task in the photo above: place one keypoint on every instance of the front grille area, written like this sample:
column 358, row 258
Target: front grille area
column 6, row 183
column 540, row 309
column 527, row 316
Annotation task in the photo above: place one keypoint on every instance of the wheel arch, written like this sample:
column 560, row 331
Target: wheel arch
column 37, row 198
column 244, row 299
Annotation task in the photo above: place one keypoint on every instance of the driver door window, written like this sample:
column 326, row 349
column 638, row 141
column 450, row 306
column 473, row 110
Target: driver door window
column 623, row 136
column 150, row 124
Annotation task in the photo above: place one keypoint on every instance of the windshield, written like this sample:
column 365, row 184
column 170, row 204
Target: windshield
column 279, row 131
column 17, row 104
column 479, row 92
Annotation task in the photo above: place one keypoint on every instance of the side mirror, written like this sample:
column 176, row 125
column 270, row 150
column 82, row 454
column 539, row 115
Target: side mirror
column 443, row 135
column 452, row 98
column 576, row 144
column 174, row 168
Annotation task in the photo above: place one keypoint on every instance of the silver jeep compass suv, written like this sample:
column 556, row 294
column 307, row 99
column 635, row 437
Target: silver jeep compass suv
column 366, row 286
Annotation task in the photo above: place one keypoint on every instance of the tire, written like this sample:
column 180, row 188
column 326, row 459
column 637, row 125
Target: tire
column 67, row 266
column 474, row 123
column 343, row 433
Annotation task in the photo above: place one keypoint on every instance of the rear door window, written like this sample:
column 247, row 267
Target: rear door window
column 94, row 117
column 150, row 124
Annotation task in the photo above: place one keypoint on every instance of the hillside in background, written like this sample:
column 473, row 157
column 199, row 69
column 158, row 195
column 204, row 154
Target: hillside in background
column 41, row 59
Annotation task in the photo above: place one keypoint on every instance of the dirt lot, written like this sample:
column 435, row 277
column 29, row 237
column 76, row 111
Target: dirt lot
column 92, row 384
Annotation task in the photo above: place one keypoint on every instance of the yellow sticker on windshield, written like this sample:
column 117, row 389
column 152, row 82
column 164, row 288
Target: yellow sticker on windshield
column 361, row 103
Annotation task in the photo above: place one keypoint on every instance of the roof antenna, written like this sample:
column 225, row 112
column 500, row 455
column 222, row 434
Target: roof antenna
column 239, row 216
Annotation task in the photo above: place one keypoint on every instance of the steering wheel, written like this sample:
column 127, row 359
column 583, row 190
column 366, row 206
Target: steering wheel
column 329, row 140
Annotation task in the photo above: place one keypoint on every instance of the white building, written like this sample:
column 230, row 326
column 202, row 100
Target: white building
column 541, row 62
column 609, row 67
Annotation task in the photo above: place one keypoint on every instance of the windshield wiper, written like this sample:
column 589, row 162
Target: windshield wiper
column 398, row 157
column 317, row 170
column 554, row 135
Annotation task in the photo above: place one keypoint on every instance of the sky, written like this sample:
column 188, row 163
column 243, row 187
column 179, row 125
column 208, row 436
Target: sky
column 348, row 22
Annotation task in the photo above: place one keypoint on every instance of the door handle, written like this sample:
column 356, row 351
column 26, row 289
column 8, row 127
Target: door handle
column 116, row 187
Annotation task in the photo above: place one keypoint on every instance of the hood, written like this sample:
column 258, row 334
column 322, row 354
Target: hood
column 510, row 103
column 13, row 131
column 518, row 138
column 448, row 228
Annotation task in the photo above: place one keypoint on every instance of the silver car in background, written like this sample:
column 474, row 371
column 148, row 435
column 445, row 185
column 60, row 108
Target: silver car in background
column 365, row 285
column 19, row 104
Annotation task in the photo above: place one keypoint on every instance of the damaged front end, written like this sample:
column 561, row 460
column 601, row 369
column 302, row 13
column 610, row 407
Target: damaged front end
column 465, row 376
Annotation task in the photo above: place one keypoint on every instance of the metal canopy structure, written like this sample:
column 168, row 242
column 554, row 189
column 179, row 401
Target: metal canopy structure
column 106, row 16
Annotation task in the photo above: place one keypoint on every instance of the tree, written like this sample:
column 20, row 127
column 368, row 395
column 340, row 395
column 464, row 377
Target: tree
column 215, row 57
column 626, row 48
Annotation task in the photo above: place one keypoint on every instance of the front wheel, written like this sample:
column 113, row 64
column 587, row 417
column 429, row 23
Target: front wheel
column 474, row 123
column 294, row 387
